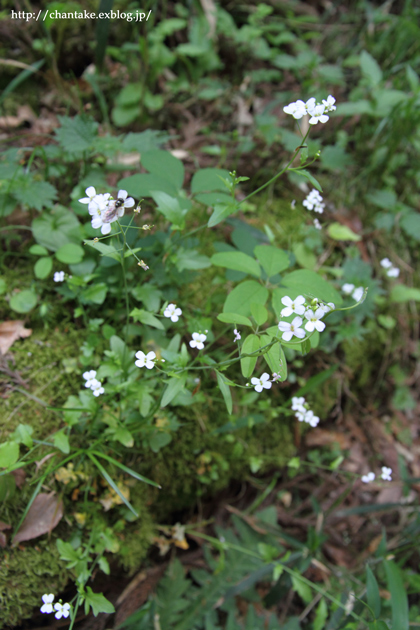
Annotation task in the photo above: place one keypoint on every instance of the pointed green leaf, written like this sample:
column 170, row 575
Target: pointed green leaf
column 208, row 179
column 237, row 261
column 373, row 596
column 340, row 232
column 272, row 259
column 312, row 284
column 240, row 299
column 140, row 315
column 61, row 441
column 43, row 267
column 221, row 212
column 307, row 175
column 321, row 615
column 175, row 385
column 399, row 600
column 234, row 318
column 272, row 356
column 129, row 471
column 225, row 389
column 9, row 454
column 251, row 344
column 111, row 482
column 97, row 602
column 104, row 249
column 259, row 313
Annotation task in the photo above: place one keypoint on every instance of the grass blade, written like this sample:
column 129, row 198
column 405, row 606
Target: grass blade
column 111, row 482
column 129, row 471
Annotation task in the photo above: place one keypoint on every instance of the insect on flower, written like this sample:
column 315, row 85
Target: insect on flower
column 112, row 211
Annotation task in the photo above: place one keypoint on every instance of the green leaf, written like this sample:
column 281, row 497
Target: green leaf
column 22, row 434
column 303, row 590
column 124, row 436
column 95, row 293
column 225, row 389
column 159, row 162
column 208, row 179
column 3, row 286
column 43, row 267
column 129, row 471
column 272, row 356
column 304, row 256
column 35, row 194
column 259, row 313
column 111, row 482
column 9, row 454
column 104, row 565
column 170, row 208
column 237, row 261
column 371, row 70
column 310, row 283
column 303, row 173
column 234, row 318
column 410, row 223
column 272, row 259
column 76, row 134
column 321, row 615
column 402, row 293
column 142, row 185
column 140, row 315
column 340, row 232
column 37, row 250
column 97, row 602
column 58, row 227
column 104, row 249
column 251, row 344
column 373, row 596
column 191, row 259
column 240, row 299
column 175, row 385
column 221, row 212
column 61, row 441
column 70, row 254
column 399, row 600
column 23, row 302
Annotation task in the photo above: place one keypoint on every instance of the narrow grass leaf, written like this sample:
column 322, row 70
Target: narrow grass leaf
column 111, row 482
column 399, row 601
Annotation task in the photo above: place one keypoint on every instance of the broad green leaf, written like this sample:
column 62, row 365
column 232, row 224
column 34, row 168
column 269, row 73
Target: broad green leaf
column 56, row 228
column 402, row 293
column 142, row 184
column 38, row 250
column 373, row 596
column 140, row 315
column 159, row 440
column 124, row 436
column 221, row 212
column 149, row 295
column 104, row 249
column 410, row 223
column 340, row 232
column 370, row 69
column 95, row 293
column 23, row 302
column 70, row 254
column 43, row 267
column 159, row 163
column 23, row 433
column 97, row 602
column 209, row 179
column 304, row 256
column 241, row 297
column 282, row 371
column 307, row 175
column 272, row 259
column 234, row 318
column 9, row 454
column 76, row 134
column 272, row 356
column 259, row 313
column 191, row 259
column 61, row 441
column 251, row 344
column 225, row 389
column 169, row 207
column 174, row 386
column 356, row 108
column 303, row 590
column 399, row 600
column 310, row 283
column 321, row 615
column 237, row 261
column 378, row 625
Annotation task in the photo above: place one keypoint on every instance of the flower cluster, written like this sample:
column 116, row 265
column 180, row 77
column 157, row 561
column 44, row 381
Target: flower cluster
column 303, row 413
column 93, row 383
column 385, row 475
column 312, row 312
column 317, row 224
column 172, row 312
column 392, row 272
column 104, row 209
column 314, row 201
column 62, row 610
column 316, row 111
column 356, row 294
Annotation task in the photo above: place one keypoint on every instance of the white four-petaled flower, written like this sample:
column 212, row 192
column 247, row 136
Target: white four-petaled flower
column 173, row 312
column 394, row 272
column 261, row 383
column 314, row 322
column 317, row 111
column 318, row 115
column 293, row 306
column 358, row 294
column 145, row 360
column 197, row 340
column 317, row 224
column 237, row 335
column 386, row 473
column 297, row 403
column 63, row 610
column 289, row 330
column 47, row 607
column 369, row 477
column 59, row 276
column 386, row 263
column 347, row 288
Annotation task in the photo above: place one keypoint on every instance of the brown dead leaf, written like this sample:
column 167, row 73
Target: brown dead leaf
column 321, row 437
column 10, row 331
column 44, row 514
column 3, row 540
column 19, row 474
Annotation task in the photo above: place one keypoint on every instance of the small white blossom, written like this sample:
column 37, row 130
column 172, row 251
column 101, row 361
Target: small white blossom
column 314, row 201
column 318, row 115
column 327, row 307
column 297, row 110
column 314, row 322
column 358, row 294
column 47, row 607
column 91, row 194
column 347, row 288
column 97, row 388
column 394, row 272
column 63, row 610
column 329, row 104
column 301, row 415
column 197, row 341
column 297, row 403
column 310, row 105
column 311, row 418
column 145, row 360
column 317, row 224
column 90, row 378
column 261, row 383
column 289, row 330
column 173, row 312
column 386, row 263
column 237, row 335
column 293, row 306
column 369, row 477
column 97, row 209
column 59, row 276
column 386, row 473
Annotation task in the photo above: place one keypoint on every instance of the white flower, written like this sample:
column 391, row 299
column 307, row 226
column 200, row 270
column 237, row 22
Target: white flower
column 311, row 419
column 314, row 322
column 97, row 209
column 386, row 473
column 369, row 477
column 63, row 610
column 289, row 330
column 297, row 403
column 358, row 294
column 59, row 276
column 145, row 360
column 97, row 388
column 301, row 415
column 318, row 115
column 197, row 341
column 329, row 104
column 317, row 224
column 90, row 378
column 261, row 383
column 314, row 201
column 91, row 194
column 47, row 606
column 275, row 377
column 310, row 105
column 297, row 110
column 386, row 263
column 237, row 335
column 173, row 312
column 347, row 288
column 293, row 306
column 327, row 307
column 394, row 272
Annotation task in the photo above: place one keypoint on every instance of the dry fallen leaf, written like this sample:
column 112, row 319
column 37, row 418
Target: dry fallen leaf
column 3, row 539
column 44, row 514
column 10, row 331
column 19, row 474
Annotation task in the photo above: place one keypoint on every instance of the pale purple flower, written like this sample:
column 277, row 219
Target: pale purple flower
column 237, row 335
column 369, row 477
